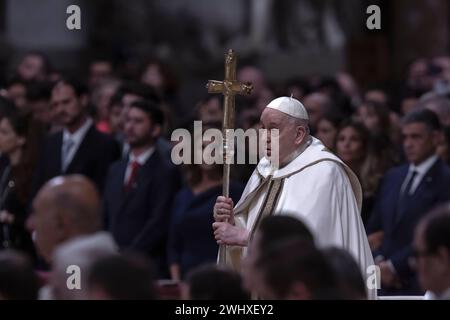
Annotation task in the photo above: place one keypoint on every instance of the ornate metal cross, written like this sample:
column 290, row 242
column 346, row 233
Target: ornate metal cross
column 229, row 87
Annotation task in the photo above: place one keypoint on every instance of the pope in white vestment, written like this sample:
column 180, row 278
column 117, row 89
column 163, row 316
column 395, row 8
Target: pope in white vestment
column 316, row 187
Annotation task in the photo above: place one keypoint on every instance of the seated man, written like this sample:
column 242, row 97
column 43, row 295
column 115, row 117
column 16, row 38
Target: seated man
column 406, row 194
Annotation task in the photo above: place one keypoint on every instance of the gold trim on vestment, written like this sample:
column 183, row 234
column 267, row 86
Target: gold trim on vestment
column 269, row 203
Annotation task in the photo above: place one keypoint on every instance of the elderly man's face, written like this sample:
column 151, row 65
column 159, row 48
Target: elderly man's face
column 290, row 136
column 45, row 225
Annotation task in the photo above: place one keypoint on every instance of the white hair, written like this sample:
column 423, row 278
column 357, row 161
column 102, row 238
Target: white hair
column 299, row 123
column 82, row 252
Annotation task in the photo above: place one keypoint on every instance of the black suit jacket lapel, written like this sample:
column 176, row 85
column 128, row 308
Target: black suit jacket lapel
column 148, row 169
column 145, row 175
column 428, row 178
column 118, row 193
column 82, row 150
column 422, row 188
column 58, row 156
column 404, row 174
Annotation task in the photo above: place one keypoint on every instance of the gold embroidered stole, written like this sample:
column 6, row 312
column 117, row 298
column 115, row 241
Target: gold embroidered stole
column 269, row 203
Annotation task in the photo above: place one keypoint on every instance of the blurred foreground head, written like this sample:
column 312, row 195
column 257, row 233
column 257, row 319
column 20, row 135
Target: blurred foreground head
column 296, row 270
column 350, row 279
column 432, row 248
column 126, row 277
column 272, row 231
column 18, row 280
column 64, row 208
column 212, row 282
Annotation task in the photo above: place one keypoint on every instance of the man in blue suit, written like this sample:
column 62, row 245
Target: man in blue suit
column 139, row 190
column 406, row 194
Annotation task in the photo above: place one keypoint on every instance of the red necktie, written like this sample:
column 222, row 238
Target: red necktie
column 133, row 175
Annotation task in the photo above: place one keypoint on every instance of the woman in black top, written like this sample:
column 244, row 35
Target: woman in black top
column 19, row 143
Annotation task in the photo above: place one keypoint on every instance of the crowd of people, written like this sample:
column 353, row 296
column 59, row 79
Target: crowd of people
column 86, row 179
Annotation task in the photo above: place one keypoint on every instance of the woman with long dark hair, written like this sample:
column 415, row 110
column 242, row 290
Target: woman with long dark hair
column 19, row 144
column 359, row 150
column 191, row 240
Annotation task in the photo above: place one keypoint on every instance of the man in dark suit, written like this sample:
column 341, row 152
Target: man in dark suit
column 127, row 94
column 406, row 194
column 139, row 190
column 79, row 148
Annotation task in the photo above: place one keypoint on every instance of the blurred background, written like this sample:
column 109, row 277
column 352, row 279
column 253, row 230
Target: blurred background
column 286, row 39
column 363, row 89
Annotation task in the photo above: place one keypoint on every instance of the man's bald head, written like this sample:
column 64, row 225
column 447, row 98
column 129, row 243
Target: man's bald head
column 75, row 195
column 64, row 208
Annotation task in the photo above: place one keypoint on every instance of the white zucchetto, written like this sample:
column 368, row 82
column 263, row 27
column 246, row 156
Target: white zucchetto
column 290, row 106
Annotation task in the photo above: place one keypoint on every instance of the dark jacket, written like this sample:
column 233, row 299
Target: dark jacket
column 13, row 236
column 191, row 237
column 94, row 156
column 433, row 189
column 139, row 219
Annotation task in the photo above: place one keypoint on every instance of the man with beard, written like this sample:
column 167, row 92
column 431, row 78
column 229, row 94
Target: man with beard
column 139, row 190
column 79, row 148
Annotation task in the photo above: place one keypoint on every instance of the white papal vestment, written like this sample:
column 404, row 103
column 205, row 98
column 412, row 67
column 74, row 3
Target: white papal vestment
column 315, row 187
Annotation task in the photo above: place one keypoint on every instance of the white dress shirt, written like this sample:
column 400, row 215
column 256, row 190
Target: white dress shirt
column 77, row 138
column 420, row 170
column 141, row 159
